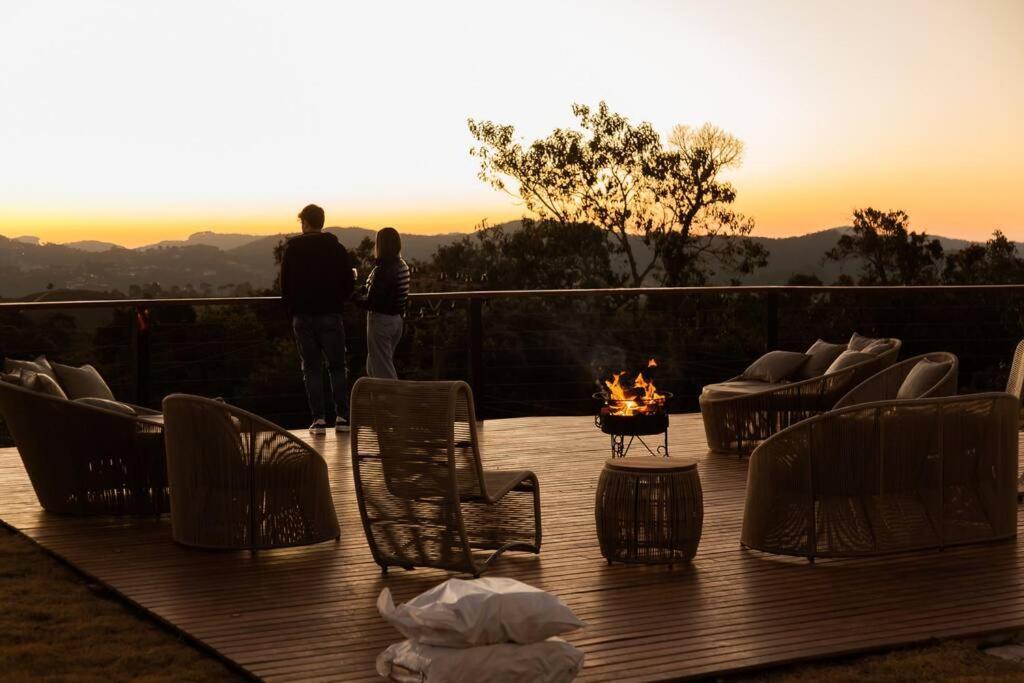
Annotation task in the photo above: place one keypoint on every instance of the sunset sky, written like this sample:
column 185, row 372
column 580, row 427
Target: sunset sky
column 135, row 122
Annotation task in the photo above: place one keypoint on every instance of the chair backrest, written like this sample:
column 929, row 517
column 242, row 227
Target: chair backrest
column 423, row 432
column 239, row 481
column 415, row 459
column 1015, row 382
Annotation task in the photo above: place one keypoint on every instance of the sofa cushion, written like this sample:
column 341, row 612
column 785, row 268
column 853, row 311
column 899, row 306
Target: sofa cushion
column 39, row 365
column 737, row 387
column 819, row 357
column 11, row 377
column 107, row 404
column 83, row 382
column 775, row 366
column 879, row 346
column 43, row 384
column 922, row 378
column 848, row 359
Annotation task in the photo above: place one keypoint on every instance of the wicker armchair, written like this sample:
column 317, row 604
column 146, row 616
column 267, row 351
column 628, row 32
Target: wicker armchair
column 85, row 460
column 736, row 423
column 886, row 477
column 424, row 496
column 240, row 482
column 886, row 384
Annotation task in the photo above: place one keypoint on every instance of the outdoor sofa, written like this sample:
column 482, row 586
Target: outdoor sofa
column 882, row 474
column 85, row 456
column 783, row 388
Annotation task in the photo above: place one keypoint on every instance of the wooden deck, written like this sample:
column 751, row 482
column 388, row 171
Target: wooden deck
column 309, row 614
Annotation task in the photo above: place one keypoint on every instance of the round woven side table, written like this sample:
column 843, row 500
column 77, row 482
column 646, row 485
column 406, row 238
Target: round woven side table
column 649, row 510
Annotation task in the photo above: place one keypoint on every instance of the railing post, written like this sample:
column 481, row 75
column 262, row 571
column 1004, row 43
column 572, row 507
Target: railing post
column 140, row 354
column 771, row 320
column 476, row 353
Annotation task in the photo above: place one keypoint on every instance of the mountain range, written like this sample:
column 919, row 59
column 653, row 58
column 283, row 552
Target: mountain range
column 216, row 263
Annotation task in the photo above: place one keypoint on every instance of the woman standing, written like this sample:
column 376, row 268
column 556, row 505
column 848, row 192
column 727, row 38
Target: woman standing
column 384, row 297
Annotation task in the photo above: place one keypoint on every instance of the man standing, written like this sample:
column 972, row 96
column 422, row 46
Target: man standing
column 316, row 279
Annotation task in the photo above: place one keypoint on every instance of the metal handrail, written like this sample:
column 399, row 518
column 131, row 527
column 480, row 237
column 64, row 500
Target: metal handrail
column 525, row 293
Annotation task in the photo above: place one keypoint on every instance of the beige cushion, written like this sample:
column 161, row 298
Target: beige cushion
column 11, row 377
column 107, row 404
column 775, row 366
column 922, row 378
column 44, row 384
column 819, row 357
column 879, row 346
column 83, row 382
column 737, row 387
column 39, row 365
column 848, row 359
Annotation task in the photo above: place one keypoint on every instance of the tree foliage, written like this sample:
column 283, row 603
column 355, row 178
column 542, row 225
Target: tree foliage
column 889, row 252
column 537, row 255
column 619, row 177
column 995, row 262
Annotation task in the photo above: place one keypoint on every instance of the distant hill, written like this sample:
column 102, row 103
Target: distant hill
column 92, row 245
column 28, row 265
column 208, row 238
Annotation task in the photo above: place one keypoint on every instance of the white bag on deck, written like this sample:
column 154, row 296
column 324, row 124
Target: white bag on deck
column 487, row 611
column 550, row 661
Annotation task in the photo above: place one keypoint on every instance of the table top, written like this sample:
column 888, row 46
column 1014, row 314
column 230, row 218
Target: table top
column 650, row 463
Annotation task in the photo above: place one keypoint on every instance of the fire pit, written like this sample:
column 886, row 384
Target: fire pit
column 633, row 411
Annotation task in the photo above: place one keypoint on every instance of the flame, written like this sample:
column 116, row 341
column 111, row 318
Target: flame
column 652, row 363
column 641, row 398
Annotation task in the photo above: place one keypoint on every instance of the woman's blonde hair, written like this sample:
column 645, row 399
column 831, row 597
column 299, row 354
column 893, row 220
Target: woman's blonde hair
column 388, row 245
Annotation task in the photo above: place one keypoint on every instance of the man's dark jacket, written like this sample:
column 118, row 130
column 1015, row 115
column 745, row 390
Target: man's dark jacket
column 316, row 274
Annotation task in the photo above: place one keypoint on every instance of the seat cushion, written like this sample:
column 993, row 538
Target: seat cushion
column 922, row 378
column 819, row 357
column 737, row 387
column 848, row 359
column 83, row 382
column 106, row 404
column 775, row 366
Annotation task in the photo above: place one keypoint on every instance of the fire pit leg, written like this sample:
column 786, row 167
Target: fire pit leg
column 663, row 450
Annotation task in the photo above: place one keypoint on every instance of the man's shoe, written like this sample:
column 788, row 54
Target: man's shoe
column 318, row 428
column 341, row 424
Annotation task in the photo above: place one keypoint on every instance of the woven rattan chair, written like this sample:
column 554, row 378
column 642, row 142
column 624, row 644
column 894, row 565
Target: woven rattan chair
column 85, row 460
column 240, row 482
column 885, row 477
column 886, row 384
column 736, row 423
column 424, row 496
column 1015, row 386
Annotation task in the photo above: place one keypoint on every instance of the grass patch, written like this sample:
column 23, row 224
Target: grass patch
column 56, row 628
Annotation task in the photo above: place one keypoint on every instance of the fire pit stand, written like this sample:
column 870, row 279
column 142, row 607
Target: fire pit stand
column 634, row 426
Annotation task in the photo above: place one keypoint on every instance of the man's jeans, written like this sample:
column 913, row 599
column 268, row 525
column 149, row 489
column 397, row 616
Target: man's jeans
column 322, row 337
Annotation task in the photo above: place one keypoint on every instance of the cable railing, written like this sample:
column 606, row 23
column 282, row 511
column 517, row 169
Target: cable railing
column 524, row 352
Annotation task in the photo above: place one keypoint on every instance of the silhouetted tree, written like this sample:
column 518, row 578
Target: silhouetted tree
column 537, row 255
column 889, row 252
column 995, row 262
column 620, row 178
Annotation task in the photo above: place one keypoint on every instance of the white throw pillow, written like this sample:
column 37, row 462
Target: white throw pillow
column 460, row 613
column 83, row 382
column 39, row 365
column 775, row 366
column 848, row 359
column 550, row 661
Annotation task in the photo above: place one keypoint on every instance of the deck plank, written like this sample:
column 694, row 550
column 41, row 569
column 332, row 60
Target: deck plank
column 309, row 613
